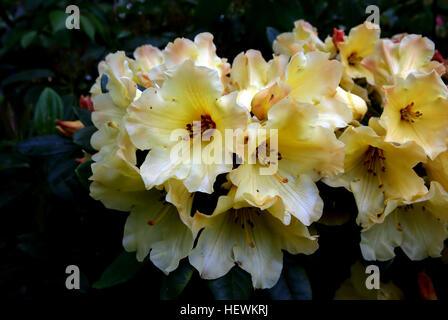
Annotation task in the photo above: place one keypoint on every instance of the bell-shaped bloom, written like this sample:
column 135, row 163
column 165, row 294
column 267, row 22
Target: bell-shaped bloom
column 283, row 157
column 159, row 226
column 418, row 227
column 303, row 38
column 250, row 237
column 376, row 171
column 310, row 78
column 358, row 45
column 355, row 103
column 251, row 73
column 437, row 169
column 398, row 58
column 110, row 106
column 202, row 51
column 157, row 222
column 146, row 58
column 314, row 79
column 190, row 106
column 416, row 109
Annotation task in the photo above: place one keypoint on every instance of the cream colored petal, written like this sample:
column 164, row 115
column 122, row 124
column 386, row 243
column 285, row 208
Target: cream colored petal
column 423, row 234
column 359, row 44
column 356, row 104
column 415, row 51
column 212, row 256
column 227, row 113
column 410, row 115
column 437, row 169
column 179, row 196
column 159, row 167
column 176, row 243
column 148, row 57
column 400, row 180
column 115, row 199
column 379, row 242
column 249, row 69
column 333, row 113
column 287, row 44
column 264, row 261
column 187, row 93
column 106, row 111
column 120, row 84
column 299, row 195
column 312, row 76
column 306, row 147
column 437, row 202
column 369, row 198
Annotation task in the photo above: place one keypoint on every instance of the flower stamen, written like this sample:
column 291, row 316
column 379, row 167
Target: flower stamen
column 408, row 115
column 159, row 218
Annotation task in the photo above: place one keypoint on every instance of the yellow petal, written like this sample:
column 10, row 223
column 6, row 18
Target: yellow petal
column 416, row 109
column 312, row 76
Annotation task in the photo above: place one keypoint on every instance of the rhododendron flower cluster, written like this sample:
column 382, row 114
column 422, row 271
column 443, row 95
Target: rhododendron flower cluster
column 304, row 113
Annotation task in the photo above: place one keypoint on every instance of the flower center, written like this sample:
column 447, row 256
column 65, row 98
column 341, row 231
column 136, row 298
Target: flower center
column 201, row 126
column 263, row 155
column 354, row 59
column 374, row 162
column 408, row 115
column 243, row 217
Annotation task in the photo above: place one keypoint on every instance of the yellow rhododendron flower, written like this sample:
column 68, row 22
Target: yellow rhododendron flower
column 190, row 95
column 418, row 227
column 202, row 51
column 251, row 73
column 313, row 78
column 250, row 237
column 310, row 78
column 146, row 58
column 288, row 152
column 437, row 169
column 394, row 59
column 375, row 171
column 416, row 109
column 359, row 44
column 159, row 226
column 303, row 38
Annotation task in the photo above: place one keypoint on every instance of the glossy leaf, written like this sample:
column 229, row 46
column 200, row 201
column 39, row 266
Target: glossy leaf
column 235, row 285
column 173, row 284
column 293, row 283
column 122, row 269
column 49, row 107
column 82, row 138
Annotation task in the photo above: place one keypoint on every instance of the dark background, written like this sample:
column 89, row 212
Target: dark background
column 48, row 220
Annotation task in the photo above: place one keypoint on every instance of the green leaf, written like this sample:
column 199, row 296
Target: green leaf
column 46, row 146
column 28, row 38
column 176, row 281
column 84, row 172
column 57, row 20
column 82, row 138
column 88, row 27
column 28, row 75
column 272, row 34
column 235, row 285
column 49, row 107
column 293, row 283
column 122, row 269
